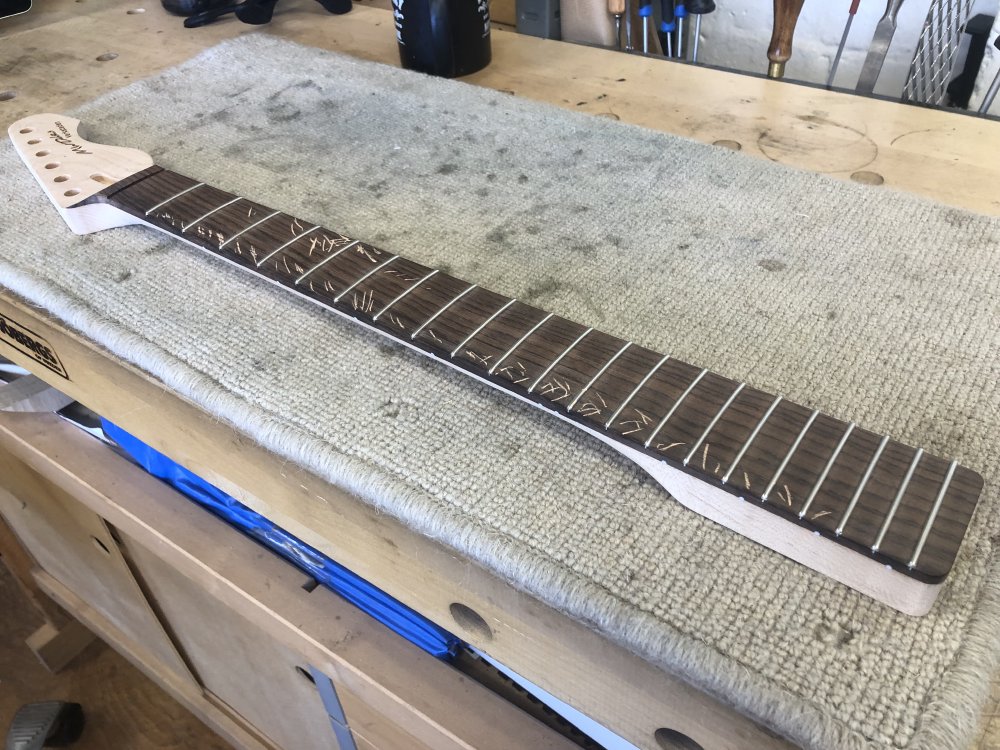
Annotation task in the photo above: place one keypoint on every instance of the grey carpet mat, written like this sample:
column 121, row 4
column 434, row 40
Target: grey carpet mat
column 879, row 308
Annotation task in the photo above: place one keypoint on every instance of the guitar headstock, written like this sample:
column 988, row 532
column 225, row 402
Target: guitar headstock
column 71, row 169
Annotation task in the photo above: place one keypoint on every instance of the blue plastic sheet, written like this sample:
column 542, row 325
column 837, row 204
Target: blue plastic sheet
column 409, row 624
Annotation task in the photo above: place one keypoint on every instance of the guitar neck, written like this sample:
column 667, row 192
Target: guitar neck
column 878, row 496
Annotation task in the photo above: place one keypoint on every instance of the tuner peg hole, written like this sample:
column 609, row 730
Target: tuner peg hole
column 52, row 165
column 41, row 153
column 71, row 193
column 135, row 11
column 101, row 179
column 62, row 178
column 23, row 130
column 6, row 96
column 107, row 57
column 34, row 142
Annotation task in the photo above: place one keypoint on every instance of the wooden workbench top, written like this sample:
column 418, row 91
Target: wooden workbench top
column 58, row 57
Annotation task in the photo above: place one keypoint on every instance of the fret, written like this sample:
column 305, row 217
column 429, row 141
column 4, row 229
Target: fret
column 481, row 326
column 161, row 204
column 635, row 390
column 183, row 211
column 826, row 471
column 676, row 405
column 351, row 278
column 326, row 260
column 929, row 523
column 247, row 229
column 372, row 272
column 204, row 216
column 852, row 504
column 454, row 324
column 436, row 315
column 896, row 500
column 788, row 456
column 749, row 441
column 282, row 246
column 953, row 517
column 518, row 343
column 502, row 340
column 598, row 374
column 404, row 293
column 559, row 359
column 715, row 419
column 571, row 374
column 805, row 472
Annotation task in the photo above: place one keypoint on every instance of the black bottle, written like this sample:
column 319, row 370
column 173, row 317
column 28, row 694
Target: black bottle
column 446, row 38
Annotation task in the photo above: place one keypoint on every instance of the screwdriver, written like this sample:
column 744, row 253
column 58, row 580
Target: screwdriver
column 667, row 26
column 698, row 8
column 679, row 12
column 786, row 15
column 645, row 12
column 628, row 25
column 617, row 8
column 843, row 41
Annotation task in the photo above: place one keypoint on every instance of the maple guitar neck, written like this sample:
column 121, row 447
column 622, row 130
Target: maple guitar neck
column 844, row 500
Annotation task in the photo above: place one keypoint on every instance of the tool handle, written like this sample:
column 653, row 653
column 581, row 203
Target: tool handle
column 667, row 14
column 892, row 10
column 786, row 15
column 854, row 7
column 700, row 7
column 616, row 7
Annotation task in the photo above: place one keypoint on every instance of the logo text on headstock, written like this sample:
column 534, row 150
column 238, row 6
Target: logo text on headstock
column 64, row 138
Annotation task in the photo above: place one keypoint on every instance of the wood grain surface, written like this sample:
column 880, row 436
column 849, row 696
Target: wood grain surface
column 938, row 154
column 123, row 708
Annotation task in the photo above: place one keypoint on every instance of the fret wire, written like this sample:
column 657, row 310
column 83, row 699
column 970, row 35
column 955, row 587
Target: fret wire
column 519, row 342
column 715, row 419
column 485, row 323
column 247, row 229
column 826, row 470
column 635, row 391
column 404, row 294
column 201, row 218
column 375, row 270
column 593, row 380
column 434, row 317
column 749, row 440
column 933, row 516
column 897, row 500
column 172, row 197
column 788, row 456
column 327, row 259
column 673, row 408
column 286, row 244
column 558, row 359
column 861, row 487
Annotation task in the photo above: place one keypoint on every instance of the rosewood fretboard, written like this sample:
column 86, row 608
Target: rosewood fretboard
column 901, row 505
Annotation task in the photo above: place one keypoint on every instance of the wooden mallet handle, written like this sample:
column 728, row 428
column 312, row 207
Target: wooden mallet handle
column 616, row 7
column 786, row 15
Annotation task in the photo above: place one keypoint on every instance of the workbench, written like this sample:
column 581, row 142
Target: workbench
column 126, row 538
